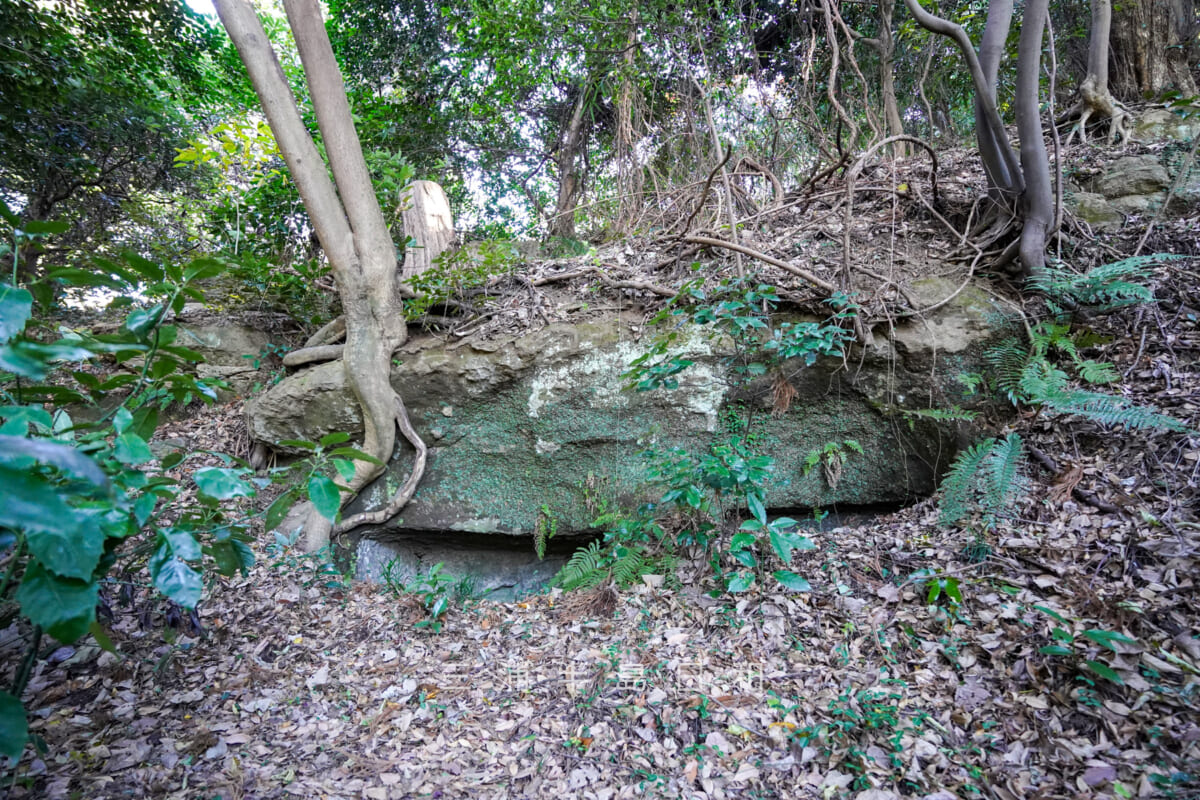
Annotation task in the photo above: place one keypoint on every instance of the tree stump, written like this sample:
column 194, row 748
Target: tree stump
column 429, row 224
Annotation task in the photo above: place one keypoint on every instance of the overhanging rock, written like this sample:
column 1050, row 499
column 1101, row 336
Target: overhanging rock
column 523, row 430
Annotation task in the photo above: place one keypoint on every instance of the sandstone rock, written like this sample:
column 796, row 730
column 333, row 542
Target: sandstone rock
column 538, row 417
column 1133, row 175
column 1160, row 124
column 224, row 345
column 1138, row 203
column 1095, row 210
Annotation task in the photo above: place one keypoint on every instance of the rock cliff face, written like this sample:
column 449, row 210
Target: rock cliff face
column 518, row 428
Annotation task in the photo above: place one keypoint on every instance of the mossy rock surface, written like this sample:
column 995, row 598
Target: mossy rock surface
column 518, row 428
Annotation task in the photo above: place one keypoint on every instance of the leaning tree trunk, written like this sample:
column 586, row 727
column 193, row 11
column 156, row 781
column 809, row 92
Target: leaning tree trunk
column 351, row 227
column 1154, row 44
column 1000, row 163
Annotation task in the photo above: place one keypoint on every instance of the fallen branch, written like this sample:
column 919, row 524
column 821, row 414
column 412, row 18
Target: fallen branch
column 766, row 259
column 1082, row 495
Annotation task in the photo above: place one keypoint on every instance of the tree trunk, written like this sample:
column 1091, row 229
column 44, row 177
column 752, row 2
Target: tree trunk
column 1037, row 202
column 1094, row 95
column 629, row 172
column 1153, row 46
column 562, row 224
column 347, row 219
column 428, row 224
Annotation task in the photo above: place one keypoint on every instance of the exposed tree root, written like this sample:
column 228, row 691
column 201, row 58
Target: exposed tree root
column 1096, row 100
column 405, row 492
column 313, row 355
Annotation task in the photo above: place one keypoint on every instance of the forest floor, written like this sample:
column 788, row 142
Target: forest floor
column 1054, row 656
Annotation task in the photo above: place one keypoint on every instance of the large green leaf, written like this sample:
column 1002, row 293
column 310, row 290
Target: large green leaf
column 132, row 449
column 64, row 607
column 14, row 727
column 325, row 496
column 16, row 452
column 222, row 483
column 16, row 305
column 29, row 504
column 69, row 553
column 17, row 419
column 279, row 509
column 182, row 543
column 174, row 578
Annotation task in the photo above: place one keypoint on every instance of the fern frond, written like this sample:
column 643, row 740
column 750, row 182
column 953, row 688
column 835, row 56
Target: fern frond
column 585, row 569
column 959, row 482
column 1097, row 372
column 629, row 567
column 1001, row 475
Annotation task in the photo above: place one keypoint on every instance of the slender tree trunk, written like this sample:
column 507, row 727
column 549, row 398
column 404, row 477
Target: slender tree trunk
column 1001, row 164
column 569, row 183
column 1094, row 95
column 629, row 172
column 1037, row 202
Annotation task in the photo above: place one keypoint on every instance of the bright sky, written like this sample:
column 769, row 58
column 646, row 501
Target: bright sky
column 203, row 7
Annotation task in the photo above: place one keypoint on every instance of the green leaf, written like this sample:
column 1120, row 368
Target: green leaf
column 29, row 504
column 744, row 557
column 102, row 638
column 785, row 542
column 143, row 320
column 1055, row 650
column 122, row 419
column 1104, row 671
column 337, row 437
column 70, row 553
column 83, row 277
column 64, row 607
column 222, row 483
column 45, row 227
column 202, row 268
column 1052, row 614
column 792, row 581
column 19, row 418
column 325, row 496
column 357, row 455
column 174, row 578
column 182, row 543
column 15, row 451
column 16, row 306
column 300, row 444
column 755, row 504
column 144, row 267
column 279, row 509
column 1106, row 638
column 741, row 541
column 740, row 582
column 132, row 449
column 344, row 468
column 14, row 727
column 143, row 507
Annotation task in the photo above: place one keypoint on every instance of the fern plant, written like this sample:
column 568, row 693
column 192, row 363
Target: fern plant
column 598, row 563
column 986, row 476
column 1102, row 288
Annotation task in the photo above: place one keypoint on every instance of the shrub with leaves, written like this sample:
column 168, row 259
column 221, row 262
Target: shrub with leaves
column 79, row 500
